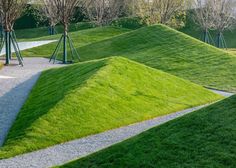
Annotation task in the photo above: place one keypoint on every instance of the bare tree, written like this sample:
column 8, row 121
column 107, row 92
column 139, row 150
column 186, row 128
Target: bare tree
column 47, row 11
column 64, row 10
column 103, row 11
column 158, row 11
column 223, row 13
column 204, row 17
column 11, row 10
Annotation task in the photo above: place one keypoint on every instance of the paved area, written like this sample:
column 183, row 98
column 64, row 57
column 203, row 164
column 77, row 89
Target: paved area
column 28, row 45
column 16, row 82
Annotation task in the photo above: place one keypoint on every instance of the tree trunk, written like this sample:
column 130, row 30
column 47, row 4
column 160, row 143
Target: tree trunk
column 218, row 40
column 7, row 44
column 51, row 30
column 65, row 44
column 205, row 36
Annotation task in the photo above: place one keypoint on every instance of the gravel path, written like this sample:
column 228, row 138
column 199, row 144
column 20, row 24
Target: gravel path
column 63, row 153
column 28, row 45
column 223, row 93
column 15, row 84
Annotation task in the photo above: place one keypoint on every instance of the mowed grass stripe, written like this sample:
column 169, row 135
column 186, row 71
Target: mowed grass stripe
column 166, row 49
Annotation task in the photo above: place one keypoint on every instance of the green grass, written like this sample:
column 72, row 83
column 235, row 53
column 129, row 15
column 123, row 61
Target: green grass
column 162, row 48
column 31, row 34
column 92, row 97
column 166, row 49
column 229, row 35
column 80, row 38
column 205, row 138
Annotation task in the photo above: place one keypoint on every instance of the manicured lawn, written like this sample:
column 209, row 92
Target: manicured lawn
column 230, row 35
column 31, row 34
column 205, row 138
column 92, row 97
column 159, row 47
column 80, row 38
column 163, row 48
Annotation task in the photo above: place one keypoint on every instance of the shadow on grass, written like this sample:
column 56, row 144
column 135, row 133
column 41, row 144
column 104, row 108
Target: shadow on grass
column 48, row 93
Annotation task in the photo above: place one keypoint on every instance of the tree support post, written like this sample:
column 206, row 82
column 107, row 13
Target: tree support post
column 220, row 41
column 65, row 38
column 65, row 48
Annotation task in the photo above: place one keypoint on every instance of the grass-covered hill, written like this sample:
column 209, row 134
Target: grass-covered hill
column 33, row 33
column 194, row 31
column 95, row 96
column 171, row 51
column 80, row 38
column 159, row 47
column 205, row 138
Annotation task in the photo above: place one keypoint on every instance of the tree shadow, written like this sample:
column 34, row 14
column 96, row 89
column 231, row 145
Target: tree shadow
column 46, row 94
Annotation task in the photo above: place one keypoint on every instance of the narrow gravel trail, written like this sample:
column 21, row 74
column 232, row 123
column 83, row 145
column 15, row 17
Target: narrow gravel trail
column 28, row 45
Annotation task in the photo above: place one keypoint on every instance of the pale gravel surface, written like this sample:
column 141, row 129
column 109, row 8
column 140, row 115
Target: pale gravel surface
column 28, row 45
column 63, row 153
column 15, row 84
column 223, row 93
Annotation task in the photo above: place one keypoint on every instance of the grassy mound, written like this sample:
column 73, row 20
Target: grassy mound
column 92, row 97
column 80, row 38
column 173, row 52
column 229, row 35
column 29, row 34
column 205, row 138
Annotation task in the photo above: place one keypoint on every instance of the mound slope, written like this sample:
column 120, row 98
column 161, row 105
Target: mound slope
column 205, row 138
column 79, row 38
column 92, row 97
column 166, row 49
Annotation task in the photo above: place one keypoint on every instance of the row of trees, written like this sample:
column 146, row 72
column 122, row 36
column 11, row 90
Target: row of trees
column 56, row 11
column 216, row 15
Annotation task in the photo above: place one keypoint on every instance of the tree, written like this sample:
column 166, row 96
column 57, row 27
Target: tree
column 10, row 10
column 103, row 11
column 49, row 10
column 204, row 17
column 223, row 13
column 64, row 10
column 159, row 11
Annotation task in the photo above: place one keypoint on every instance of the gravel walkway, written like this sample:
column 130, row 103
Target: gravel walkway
column 28, row 45
column 15, row 84
column 223, row 93
column 63, row 153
